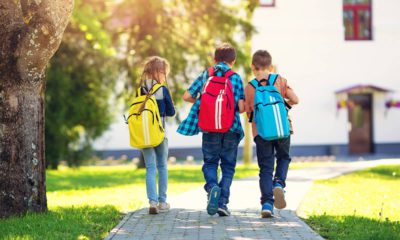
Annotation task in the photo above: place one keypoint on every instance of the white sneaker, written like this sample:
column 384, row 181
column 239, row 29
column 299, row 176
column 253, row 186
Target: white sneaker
column 163, row 207
column 153, row 209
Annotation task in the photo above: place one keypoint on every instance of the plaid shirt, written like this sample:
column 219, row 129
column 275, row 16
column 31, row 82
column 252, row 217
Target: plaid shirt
column 189, row 126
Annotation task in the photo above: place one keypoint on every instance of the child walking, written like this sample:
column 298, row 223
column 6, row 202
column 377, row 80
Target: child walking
column 155, row 72
column 272, row 187
column 218, row 98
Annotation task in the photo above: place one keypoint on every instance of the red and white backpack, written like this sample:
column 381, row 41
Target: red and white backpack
column 217, row 104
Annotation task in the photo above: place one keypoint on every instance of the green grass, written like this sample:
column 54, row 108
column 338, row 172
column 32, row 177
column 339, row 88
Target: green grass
column 360, row 205
column 86, row 203
column 62, row 223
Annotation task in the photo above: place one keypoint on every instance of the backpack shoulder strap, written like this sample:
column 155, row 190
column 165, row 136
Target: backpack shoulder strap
column 139, row 91
column 272, row 79
column 229, row 73
column 155, row 88
column 254, row 83
column 210, row 71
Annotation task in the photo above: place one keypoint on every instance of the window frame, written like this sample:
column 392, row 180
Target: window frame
column 268, row 5
column 355, row 8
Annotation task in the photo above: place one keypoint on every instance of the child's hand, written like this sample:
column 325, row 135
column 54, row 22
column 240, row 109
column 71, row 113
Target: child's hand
column 187, row 97
column 241, row 106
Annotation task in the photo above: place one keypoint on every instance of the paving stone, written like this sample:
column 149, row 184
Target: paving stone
column 189, row 220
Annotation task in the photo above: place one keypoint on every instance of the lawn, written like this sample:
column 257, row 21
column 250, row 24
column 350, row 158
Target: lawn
column 86, row 203
column 360, row 205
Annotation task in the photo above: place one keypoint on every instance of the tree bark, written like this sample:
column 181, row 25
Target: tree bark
column 30, row 33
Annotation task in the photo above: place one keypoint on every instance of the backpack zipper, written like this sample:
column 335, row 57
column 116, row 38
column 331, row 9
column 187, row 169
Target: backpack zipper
column 141, row 102
column 138, row 114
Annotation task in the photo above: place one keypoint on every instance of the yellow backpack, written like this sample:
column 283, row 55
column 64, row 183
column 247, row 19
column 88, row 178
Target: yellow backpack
column 145, row 127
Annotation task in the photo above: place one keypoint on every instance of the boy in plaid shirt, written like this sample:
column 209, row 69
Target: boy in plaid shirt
column 219, row 149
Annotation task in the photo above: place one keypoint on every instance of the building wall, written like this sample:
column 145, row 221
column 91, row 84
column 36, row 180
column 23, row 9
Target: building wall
column 306, row 41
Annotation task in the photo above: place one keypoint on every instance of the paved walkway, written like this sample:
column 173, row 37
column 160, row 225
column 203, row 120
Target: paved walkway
column 189, row 220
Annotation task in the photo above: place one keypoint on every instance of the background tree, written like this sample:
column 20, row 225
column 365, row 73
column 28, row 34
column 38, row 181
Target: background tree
column 80, row 84
column 31, row 32
column 248, row 146
column 184, row 32
column 83, row 73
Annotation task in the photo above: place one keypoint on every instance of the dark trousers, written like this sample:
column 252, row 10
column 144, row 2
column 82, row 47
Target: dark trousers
column 266, row 153
column 220, row 149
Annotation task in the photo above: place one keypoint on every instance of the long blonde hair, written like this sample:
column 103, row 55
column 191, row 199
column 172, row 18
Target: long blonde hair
column 154, row 67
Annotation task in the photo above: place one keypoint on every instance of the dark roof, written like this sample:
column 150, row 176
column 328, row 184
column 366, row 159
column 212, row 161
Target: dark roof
column 360, row 88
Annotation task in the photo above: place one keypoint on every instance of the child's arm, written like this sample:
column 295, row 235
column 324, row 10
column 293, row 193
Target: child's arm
column 291, row 96
column 169, row 104
column 241, row 106
column 288, row 93
column 194, row 90
column 249, row 103
column 242, row 97
column 188, row 98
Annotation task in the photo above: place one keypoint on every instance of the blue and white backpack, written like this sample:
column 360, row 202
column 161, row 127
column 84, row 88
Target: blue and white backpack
column 270, row 114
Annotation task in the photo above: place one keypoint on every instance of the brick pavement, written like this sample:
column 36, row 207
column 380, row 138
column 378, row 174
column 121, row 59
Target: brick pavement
column 193, row 224
column 189, row 220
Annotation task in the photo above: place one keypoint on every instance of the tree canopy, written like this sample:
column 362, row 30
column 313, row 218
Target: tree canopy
column 184, row 32
column 105, row 45
column 80, row 84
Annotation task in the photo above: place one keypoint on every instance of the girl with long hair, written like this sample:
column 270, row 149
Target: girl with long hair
column 155, row 71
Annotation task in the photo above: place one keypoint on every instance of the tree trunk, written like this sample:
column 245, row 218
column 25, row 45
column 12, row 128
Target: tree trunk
column 30, row 32
column 248, row 140
column 248, row 147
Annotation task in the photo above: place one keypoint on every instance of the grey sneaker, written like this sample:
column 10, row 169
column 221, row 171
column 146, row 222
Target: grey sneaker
column 153, row 208
column 163, row 207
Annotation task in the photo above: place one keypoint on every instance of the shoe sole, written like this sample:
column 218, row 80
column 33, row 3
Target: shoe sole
column 212, row 205
column 223, row 213
column 266, row 214
column 279, row 196
column 153, row 210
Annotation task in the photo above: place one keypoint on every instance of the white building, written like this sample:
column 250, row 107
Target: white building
column 351, row 47
column 323, row 47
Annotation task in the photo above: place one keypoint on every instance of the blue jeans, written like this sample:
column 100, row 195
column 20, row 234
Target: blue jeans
column 216, row 147
column 156, row 157
column 266, row 161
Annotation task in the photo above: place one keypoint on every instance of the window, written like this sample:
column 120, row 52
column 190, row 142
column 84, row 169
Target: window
column 357, row 19
column 267, row 3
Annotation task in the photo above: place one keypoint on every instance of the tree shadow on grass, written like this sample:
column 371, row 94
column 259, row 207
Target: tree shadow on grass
column 354, row 228
column 81, row 180
column 62, row 223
